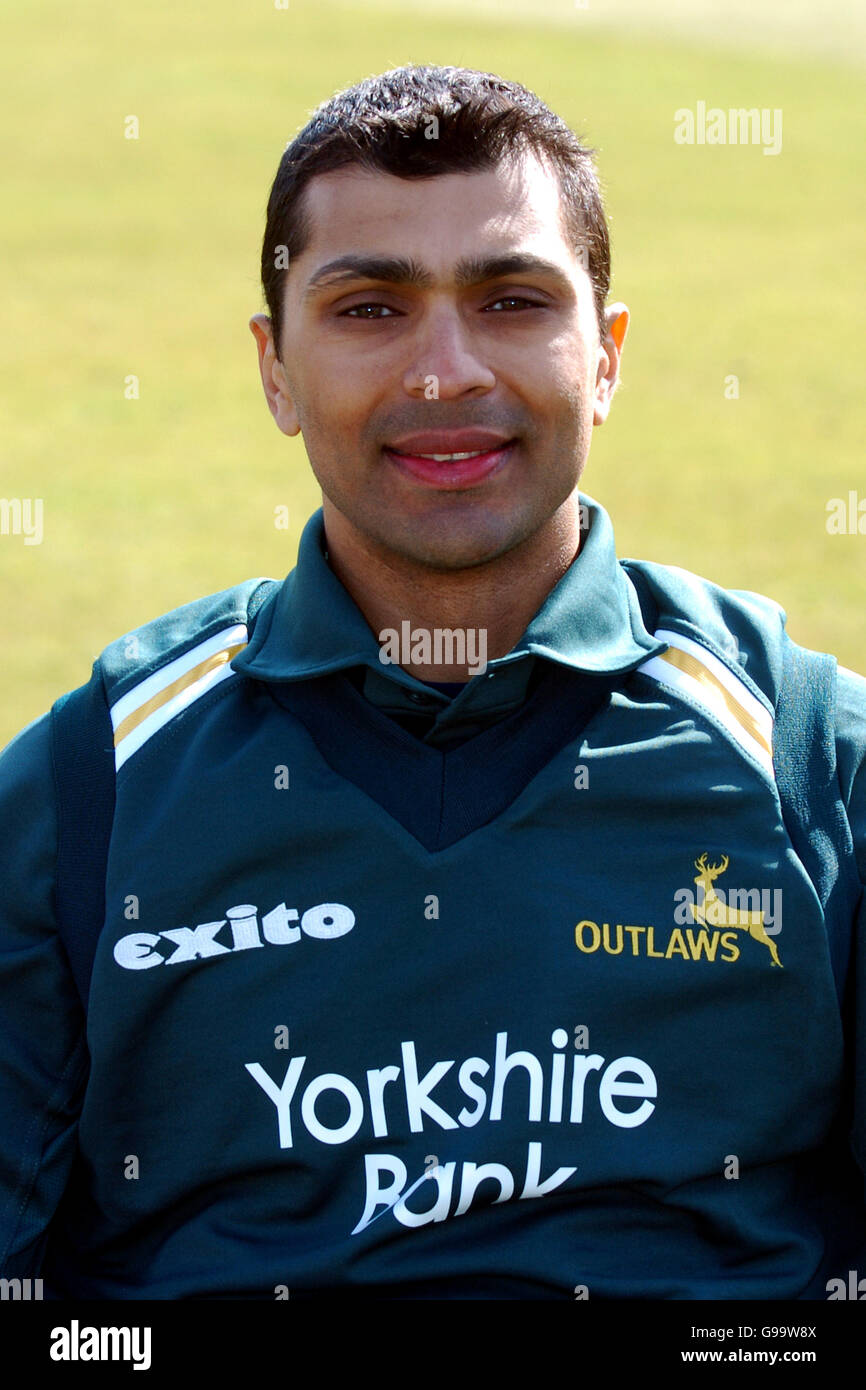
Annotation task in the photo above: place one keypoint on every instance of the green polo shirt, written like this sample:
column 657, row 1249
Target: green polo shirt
column 442, row 1016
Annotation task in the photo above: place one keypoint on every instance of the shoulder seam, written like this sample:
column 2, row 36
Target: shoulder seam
column 171, row 727
column 144, row 651
column 172, row 687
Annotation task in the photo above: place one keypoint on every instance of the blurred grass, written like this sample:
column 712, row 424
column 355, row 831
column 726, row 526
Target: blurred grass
column 141, row 257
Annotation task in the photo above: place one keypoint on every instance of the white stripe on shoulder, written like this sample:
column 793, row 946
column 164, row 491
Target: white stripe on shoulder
column 697, row 673
column 139, row 713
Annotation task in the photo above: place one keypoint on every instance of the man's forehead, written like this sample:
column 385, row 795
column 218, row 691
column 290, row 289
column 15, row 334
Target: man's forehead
column 514, row 204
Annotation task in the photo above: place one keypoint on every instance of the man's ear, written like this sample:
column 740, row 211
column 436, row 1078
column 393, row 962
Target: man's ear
column 273, row 376
column 609, row 358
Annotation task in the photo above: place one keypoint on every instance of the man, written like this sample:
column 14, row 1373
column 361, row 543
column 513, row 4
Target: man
column 482, row 917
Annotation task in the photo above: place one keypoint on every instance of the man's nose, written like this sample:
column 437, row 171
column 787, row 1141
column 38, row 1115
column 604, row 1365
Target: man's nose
column 447, row 358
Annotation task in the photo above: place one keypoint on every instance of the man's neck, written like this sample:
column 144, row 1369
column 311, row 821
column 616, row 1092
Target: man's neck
column 492, row 604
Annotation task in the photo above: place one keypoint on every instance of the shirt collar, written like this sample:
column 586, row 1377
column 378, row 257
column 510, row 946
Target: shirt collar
column 590, row 621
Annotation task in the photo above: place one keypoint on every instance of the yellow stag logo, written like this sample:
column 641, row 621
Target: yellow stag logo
column 715, row 913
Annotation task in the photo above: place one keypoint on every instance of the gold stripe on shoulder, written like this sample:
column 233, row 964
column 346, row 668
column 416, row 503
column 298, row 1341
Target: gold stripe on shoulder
column 684, row 661
column 162, row 697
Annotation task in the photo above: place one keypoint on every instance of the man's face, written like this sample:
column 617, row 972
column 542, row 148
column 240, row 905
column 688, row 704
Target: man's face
column 440, row 342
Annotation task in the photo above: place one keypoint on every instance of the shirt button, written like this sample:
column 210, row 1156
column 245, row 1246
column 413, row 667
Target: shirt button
column 416, row 696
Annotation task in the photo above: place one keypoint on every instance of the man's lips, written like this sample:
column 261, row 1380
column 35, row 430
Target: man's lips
column 429, row 458
column 469, row 439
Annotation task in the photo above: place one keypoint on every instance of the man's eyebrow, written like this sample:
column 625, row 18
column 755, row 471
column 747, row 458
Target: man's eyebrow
column 399, row 270
column 403, row 270
column 475, row 270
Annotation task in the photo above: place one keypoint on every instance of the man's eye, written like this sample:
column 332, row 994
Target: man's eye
column 359, row 310
column 516, row 299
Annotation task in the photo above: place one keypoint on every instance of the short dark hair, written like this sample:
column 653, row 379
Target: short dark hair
column 385, row 123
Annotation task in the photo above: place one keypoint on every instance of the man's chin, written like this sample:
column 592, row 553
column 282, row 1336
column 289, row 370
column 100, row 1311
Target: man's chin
column 446, row 535
column 448, row 549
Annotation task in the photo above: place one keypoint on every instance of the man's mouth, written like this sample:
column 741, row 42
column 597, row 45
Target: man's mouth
column 449, row 458
column 456, row 468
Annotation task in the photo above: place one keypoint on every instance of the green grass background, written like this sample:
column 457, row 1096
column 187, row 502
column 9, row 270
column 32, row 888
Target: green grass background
column 141, row 257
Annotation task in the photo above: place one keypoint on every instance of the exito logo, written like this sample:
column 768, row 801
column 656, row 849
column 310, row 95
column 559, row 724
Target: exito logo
column 719, row 918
